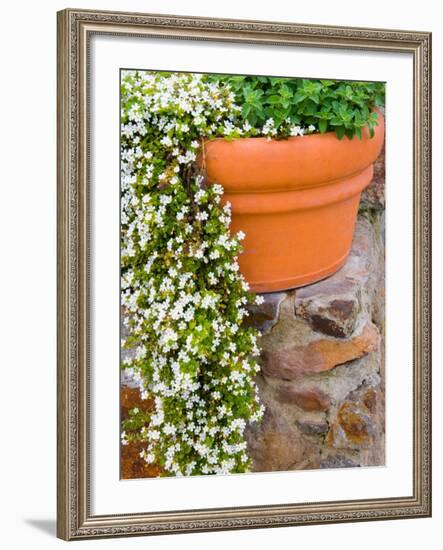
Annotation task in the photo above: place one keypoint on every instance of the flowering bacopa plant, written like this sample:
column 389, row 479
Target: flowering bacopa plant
column 184, row 297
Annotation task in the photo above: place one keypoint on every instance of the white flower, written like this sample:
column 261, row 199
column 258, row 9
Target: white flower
column 153, row 434
column 165, row 199
column 209, row 301
column 166, row 140
column 269, row 128
column 169, row 336
column 199, row 195
column 169, row 429
column 201, row 216
column 297, row 131
column 218, row 189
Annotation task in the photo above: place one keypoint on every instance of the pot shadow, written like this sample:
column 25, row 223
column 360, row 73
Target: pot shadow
column 48, row 526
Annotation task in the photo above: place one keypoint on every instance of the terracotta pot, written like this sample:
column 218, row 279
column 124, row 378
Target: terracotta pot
column 296, row 200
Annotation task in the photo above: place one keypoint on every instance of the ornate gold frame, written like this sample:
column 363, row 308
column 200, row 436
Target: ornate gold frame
column 75, row 28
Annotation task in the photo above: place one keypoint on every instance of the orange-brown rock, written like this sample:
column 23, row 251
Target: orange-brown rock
column 370, row 399
column 319, row 355
column 308, row 399
column 355, row 421
column 132, row 466
column 353, row 427
column 130, row 398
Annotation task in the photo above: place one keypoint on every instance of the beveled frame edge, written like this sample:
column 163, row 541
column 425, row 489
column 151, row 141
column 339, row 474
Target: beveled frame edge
column 74, row 27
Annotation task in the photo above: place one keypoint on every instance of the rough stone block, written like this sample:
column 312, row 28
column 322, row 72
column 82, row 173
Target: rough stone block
column 306, row 398
column 276, row 445
column 319, row 355
column 264, row 316
column 359, row 424
column 353, row 427
column 332, row 313
column 313, row 428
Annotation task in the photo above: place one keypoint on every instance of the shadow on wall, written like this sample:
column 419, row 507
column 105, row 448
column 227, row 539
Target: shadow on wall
column 48, row 526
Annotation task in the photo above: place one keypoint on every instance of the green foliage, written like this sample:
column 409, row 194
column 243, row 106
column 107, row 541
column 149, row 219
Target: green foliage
column 344, row 107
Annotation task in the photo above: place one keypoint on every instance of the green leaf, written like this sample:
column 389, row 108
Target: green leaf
column 323, row 125
column 340, row 132
column 285, row 92
column 246, row 109
column 274, row 100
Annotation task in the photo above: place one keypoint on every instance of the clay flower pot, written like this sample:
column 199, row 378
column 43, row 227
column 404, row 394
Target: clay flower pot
column 296, row 200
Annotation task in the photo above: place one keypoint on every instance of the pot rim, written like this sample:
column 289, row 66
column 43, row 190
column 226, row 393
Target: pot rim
column 259, row 164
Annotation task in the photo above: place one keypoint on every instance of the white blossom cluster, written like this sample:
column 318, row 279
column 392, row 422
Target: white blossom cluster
column 182, row 290
column 270, row 130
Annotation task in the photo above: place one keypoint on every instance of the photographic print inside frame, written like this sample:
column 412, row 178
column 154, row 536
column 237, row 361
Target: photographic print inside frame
column 252, row 274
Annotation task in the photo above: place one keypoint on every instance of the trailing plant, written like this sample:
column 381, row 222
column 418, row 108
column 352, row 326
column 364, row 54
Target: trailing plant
column 289, row 106
column 181, row 286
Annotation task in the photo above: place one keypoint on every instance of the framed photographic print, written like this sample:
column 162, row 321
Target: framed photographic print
column 243, row 274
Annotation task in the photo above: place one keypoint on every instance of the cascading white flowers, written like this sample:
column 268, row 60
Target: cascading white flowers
column 181, row 287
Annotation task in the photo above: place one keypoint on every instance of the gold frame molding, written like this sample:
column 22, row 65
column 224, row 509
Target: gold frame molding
column 75, row 28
